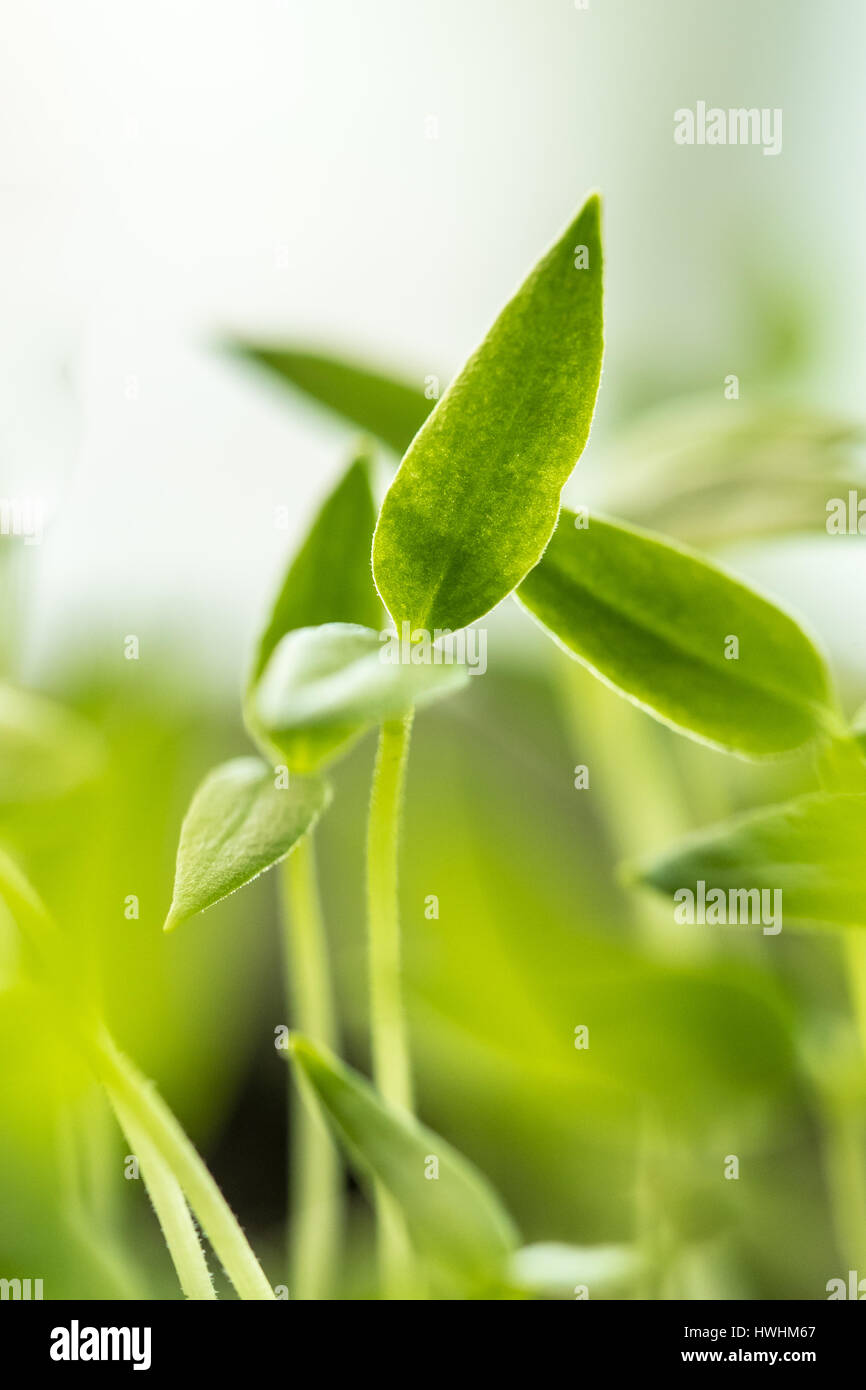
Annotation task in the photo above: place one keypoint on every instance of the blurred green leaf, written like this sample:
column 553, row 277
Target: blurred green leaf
column 239, row 823
column 554, row 1270
column 653, row 621
column 45, row 750
column 858, row 729
column 325, row 686
column 476, row 497
column 709, row 471
column 27, row 908
column 811, row 849
column 330, row 580
column 454, row 1220
column 391, row 410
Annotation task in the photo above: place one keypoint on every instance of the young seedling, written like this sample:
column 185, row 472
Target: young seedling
column 472, row 516
column 317, row 683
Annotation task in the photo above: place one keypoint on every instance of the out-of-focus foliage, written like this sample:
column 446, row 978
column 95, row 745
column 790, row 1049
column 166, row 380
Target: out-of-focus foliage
column 534, row 938
column 391, row 410
column 330, row 580
column 809, row 850
column 711, row 471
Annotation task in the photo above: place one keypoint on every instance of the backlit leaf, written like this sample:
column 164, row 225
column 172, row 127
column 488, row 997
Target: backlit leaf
column 476, row 497
column 680, row 637
column 324, row 686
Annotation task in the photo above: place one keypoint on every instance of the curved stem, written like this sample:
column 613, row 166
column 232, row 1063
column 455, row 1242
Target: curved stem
column 131, row 1092
column 389, row 1037
column 314, row 1171
column 171, row 1209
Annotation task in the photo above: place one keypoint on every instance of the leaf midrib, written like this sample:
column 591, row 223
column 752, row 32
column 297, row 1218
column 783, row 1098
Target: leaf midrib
column 699, row 658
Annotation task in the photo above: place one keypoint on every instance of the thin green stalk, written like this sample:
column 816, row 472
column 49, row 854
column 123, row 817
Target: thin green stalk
column 314, row 1170
column 855, row 960
column 841, row 768
column 391, row 1068
column 388, row 1031
column 172, row 1212
column 131, row 1092
column 92, row 1236
column 842, row 1147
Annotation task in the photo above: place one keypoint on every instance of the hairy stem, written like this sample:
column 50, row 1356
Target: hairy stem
column 389, row 1037
column 132, row 1094
column 314, row 1166
column 172, row 1212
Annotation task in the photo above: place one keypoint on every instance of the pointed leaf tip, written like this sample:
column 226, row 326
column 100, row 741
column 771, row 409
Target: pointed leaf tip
column 476, row 497
column 458, row 1221
column 244, row 818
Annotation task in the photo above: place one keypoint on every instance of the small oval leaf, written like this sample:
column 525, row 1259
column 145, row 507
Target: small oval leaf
column 680, row 637
column 455, row 1218
column 325, row 686
column 809, row 850
column 239, row 823
column 476, row 497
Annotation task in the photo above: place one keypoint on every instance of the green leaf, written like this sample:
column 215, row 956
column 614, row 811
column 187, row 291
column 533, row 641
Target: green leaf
column 475, row 499
column 239, row 823
column 811, row 849
column 708, row 472
column 325, row 686
column 455, row 1221
column 858, row 729
column 391, row 410
column 554, row 1270
column 330, row 579
column 45, row 750
column 27, row 908
column 653, row 620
